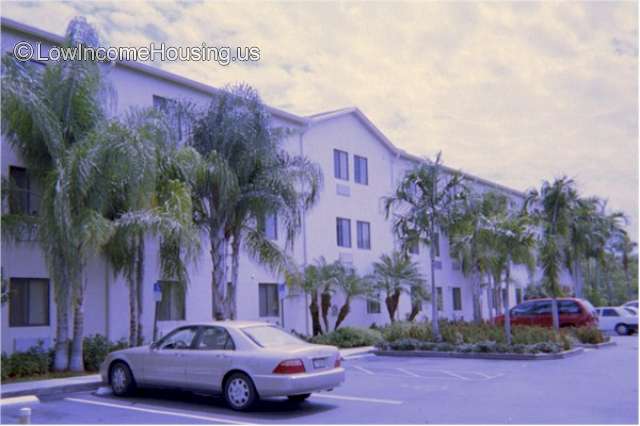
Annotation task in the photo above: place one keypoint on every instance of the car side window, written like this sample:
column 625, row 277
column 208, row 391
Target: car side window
column 523, row 309
column 178, row 339
column 610, row 313
column 215, row 338
column 568, row 307
column 542, row 308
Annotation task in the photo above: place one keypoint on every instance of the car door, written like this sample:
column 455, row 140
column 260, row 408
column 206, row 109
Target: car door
column 608, row 319
column 165, row 365
column 541, row 313
column 210, row 359
column 570, row 313
column 521, row 314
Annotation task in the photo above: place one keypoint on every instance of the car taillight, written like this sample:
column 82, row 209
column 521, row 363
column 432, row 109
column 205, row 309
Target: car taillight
column 337, row 364
column 290, row 366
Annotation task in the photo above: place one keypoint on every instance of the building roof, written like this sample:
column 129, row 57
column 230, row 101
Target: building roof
column 307, row 121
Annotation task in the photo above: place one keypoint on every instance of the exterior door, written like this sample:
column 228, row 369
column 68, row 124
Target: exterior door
column 166, row 363
column 210, row 359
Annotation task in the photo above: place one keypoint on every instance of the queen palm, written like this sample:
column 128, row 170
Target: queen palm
column 242, row 174
column 422, row 205
column 54, row 117
column 393, row 275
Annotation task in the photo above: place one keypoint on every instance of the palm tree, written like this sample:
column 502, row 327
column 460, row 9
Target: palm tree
column 419, row 295
column 624, row 249
column 422, row 205
column 317, row 279
column 394, row 274
column 553, row 208
column 352, row 285
column 241, row 174
column 54, row 117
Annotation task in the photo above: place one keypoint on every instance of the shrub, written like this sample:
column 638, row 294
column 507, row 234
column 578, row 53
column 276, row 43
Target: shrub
column 34, row 361
column 349, row 337
column 96, row 348
column 407, row 330
column 589, row 335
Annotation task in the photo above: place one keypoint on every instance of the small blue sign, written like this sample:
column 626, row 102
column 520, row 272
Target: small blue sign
column 282, row 290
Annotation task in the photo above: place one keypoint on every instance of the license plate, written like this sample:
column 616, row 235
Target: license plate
column 319, row 363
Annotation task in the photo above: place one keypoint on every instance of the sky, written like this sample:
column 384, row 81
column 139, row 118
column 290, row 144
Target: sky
column 516, row 93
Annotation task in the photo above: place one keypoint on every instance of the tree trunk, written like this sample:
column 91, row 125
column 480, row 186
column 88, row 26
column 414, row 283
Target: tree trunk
column 392, row 301
column 61, row 360
column 554, row 312
column 230, row 298
column 490, row 299
column 507, row 313
column 477, row 307
column 139, row 336
column 315, row 314
column 415, row 310
column 133, row 312
column 218, row 265
column 435, row 326
column 325, row 305
column 76, row 362
column 344, row 311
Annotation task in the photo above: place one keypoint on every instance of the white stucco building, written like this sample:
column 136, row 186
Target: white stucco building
column 360, row 167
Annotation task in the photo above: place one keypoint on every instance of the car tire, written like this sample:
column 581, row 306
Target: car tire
column 121, row 379
column 298, row 398
column 239, row 392
column 622, row 329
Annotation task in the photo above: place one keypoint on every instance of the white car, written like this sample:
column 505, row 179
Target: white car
column 618, row 319
column 631, row 304
column 244, row 360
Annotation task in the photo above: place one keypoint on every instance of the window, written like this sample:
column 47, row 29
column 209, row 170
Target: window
column 269, row 226
column 541, row 308
column 343, row 229
column 439, row 298
column 568, row 307
column 181, row 338
column 610, row 313
column 341, row 164
column 524, row 309
column 215, row 338
column 435, row 243
column 518, row 295
column 28, row 302
column 21, row 199
column 364, row 237
column 270, row 336
column 177, row 117
column 360, row 170
column 456, row 292
column 373, row 305
column 172, row 305
column 414, row 247
column 269, row 300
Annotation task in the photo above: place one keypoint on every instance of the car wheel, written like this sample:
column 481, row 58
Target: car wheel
column 121, row 379
column 622, row 329
column 239, row 392
column 298, row 398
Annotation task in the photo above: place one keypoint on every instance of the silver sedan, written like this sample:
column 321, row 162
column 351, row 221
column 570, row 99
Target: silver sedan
column 244, row 360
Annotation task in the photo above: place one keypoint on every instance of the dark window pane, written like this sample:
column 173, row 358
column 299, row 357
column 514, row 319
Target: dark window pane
column 19, row 190
column 215, row 338
column 436, row 245
column 28, row 302
column 361, row 171
column 343, row 230
column 568, row 307
column 457, row 298
column 172, row 305
column 341, row 164
column 373, row 305
column 439, row 300
column 269, row 302
column 364, row 238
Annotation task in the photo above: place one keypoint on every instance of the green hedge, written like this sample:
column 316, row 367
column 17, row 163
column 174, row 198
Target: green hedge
column 349, row 337
column 38, row 361
column 589, row 335
column 479, row 347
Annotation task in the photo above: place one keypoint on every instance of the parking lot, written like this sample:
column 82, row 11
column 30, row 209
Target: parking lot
column 599, row 386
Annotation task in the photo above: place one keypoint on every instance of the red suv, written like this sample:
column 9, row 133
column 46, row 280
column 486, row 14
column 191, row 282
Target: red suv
column 573, row 313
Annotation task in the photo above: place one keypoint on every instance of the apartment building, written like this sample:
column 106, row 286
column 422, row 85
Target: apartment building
column 360, row 166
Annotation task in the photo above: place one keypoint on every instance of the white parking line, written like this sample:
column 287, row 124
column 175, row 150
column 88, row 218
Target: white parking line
column 357, row 398
column 27, row 399
column 364, row 370
column 156, row 411
column 455, row 375
column 402, row 370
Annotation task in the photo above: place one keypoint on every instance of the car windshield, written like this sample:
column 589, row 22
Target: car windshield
column 269, row 336
column 631, row 311
column 589, row 306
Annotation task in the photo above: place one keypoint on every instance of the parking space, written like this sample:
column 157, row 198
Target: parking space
column 600, row 386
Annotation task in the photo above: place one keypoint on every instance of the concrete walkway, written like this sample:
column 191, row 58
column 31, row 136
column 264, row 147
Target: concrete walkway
column 93, row 381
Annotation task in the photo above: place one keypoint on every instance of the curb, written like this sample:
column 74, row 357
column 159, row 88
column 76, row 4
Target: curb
column 596, row 345
column 492, row 356
column 52, row 390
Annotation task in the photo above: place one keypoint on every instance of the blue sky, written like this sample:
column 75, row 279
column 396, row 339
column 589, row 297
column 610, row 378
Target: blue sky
column 513, row 92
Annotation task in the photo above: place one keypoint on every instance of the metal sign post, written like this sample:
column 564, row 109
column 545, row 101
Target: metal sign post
column 157, row 297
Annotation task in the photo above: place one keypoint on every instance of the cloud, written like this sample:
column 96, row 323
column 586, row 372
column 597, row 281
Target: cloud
column 514, row 92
